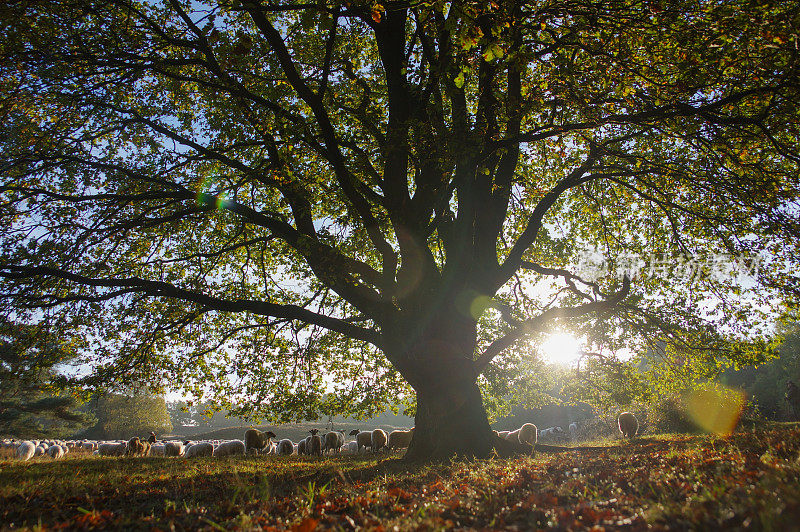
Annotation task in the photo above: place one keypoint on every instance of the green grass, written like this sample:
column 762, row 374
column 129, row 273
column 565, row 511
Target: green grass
column 751, row 479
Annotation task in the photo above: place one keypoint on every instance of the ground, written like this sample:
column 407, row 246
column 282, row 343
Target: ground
column 749, row 480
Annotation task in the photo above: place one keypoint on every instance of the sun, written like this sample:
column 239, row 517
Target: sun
column 561, row 348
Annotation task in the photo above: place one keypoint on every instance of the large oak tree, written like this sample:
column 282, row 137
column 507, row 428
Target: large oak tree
column 243, row 197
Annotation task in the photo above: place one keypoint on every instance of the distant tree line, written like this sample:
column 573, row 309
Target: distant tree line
column 122, row 416
column 36, row 400
column 32, row 403
column 766, row 385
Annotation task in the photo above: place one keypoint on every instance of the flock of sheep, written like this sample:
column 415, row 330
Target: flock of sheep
column 258, row 442
column 329, row 443
column 255, row 442
column 529, row 434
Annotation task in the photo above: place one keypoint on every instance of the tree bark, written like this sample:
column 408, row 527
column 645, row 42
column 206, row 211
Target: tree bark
column 434, row 354
column 450, row 420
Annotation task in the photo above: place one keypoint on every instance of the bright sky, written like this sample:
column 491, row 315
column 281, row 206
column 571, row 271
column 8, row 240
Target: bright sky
column 561, row 348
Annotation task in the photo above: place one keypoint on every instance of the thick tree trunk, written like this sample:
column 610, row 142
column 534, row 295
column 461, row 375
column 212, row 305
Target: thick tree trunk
column 451, row 420
column 435, row 355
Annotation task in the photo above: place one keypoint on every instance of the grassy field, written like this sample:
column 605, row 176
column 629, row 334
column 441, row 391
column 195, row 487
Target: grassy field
column 750, row 480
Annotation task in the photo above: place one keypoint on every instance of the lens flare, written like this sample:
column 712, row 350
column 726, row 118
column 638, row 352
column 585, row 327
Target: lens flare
column 716, row 410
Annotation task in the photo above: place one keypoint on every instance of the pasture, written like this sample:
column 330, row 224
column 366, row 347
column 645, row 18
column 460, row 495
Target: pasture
column 749, row 480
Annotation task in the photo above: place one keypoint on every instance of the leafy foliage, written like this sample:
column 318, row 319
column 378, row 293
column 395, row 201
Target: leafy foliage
column 121, row 416
column 33, row 401
column 238, row 198
column 766, row 384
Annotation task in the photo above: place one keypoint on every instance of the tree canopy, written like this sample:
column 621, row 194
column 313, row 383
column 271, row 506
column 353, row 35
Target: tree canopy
column 123, row 416
column 33, row 399
column 277, row 202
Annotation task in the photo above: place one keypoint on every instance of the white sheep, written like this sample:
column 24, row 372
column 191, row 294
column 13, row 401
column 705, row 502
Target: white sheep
column 40, row 450
column 350, row 447
column 400, row 439
column 378, row 439
column 628, row 424
column 158, row 449
column 301, row 446
column 363, row 438
column 112, row 449
column 202, row 448
column 285, row 447
column 573, row 430
column 528, row 433
column 230, row 448
column 174, row 448
column 55, row 451
column 26, row 450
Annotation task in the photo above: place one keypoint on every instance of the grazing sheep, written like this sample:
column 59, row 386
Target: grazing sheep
column 628, row 424
column 301, row 446
column 528, row 433
column 40, row 450
column 159, row 449
column 229, row 448
column 285, row 447
column 173, row 448
column 255, row 441
column 573, row 430
column 400, row 439
column 25, row 451
column 89, row 446
column 111, row 449
column 152, row 438
column 350, row 447
column 378, row 440
column 316, row 443
column 334, row 441
column 202, row 448
column 137, row 447
column 363, row 438
column 55, row 451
